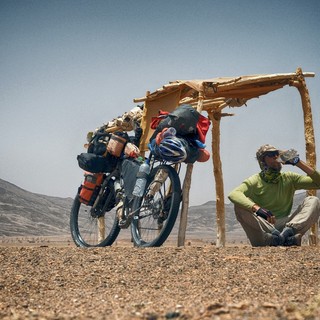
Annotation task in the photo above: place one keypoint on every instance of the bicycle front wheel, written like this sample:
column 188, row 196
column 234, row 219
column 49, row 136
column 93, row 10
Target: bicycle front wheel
column 91, row 229
column 156, row 213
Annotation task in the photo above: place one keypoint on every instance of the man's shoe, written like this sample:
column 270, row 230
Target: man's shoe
column 294, row 240
column 275, row 241
column 286, row 233
column 276, row 238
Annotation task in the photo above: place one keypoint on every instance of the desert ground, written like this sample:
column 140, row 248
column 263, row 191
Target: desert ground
column 52, row 280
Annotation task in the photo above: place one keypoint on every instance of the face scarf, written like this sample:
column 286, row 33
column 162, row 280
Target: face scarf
column 268, row 174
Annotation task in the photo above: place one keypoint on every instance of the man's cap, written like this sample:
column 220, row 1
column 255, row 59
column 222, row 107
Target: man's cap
column 263, row 149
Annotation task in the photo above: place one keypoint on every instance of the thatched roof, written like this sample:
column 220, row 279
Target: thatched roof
column 213, row 94
column 226, row 91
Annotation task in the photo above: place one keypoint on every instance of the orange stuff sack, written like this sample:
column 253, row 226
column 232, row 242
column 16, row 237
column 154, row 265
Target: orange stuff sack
column 116, row 144
column 204, row 155
column 90, row 187
column 131, row 150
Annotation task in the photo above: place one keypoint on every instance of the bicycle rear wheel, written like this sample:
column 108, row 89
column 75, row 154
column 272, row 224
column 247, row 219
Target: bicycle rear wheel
column 156, row 213
column 91, row 229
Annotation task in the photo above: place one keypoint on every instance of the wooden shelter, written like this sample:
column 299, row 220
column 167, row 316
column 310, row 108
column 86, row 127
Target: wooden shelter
column 212, row 96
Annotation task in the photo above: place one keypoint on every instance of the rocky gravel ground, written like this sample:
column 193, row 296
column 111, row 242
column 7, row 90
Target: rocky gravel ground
column 192, row 282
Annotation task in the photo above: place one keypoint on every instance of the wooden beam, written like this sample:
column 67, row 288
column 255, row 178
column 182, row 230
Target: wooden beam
column 217, row 171
column 186, row 191
column 101, row 229
column 243, row 93
column 309, row 139
column 185, row 205
column 272, row 79
column 171, row 85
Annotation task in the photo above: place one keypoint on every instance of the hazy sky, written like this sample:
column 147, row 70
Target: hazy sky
column 68, row 66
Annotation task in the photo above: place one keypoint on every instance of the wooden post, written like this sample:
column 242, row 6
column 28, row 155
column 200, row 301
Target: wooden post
column 185, row 205
column 309, row 138
column 101, row 229
column 186, row 191
column 217, row 170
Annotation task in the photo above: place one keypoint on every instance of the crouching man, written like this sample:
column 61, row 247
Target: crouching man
column 263, row 202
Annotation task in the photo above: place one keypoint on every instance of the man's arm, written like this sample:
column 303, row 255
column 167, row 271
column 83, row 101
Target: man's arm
column 312, row 173
column 238, row 197
column 305, row 167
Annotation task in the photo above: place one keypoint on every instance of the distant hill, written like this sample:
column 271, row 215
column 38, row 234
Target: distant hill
column 23, row 213
column 202, row 223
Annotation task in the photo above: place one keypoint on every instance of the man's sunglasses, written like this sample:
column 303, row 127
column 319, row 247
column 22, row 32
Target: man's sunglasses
column 271, row 154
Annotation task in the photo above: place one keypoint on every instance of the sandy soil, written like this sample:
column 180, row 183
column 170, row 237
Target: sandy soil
column 198, row 281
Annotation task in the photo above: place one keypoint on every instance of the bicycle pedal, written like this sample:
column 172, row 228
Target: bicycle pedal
column 124, row 223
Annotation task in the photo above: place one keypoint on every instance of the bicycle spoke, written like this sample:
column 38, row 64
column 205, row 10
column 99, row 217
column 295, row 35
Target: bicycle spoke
column 156, row 213
column 93, row 228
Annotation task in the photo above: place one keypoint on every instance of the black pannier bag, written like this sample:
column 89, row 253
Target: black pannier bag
column 95, row 163
column 191, row 149
column 98, row 148
column 129, row 170
column 184, row 119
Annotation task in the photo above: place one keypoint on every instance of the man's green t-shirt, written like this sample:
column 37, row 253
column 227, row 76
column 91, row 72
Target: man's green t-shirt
column 276, row 197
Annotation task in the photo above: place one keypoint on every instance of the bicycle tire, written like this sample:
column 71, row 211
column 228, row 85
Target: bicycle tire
column 163, row 207
column 84, row 226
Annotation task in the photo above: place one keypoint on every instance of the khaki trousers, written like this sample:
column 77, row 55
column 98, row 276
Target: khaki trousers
column 258, row 230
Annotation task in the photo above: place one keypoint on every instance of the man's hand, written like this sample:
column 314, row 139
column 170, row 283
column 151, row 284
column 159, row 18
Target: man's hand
column 293, row 161
column 266, row 214
column 290, row 156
